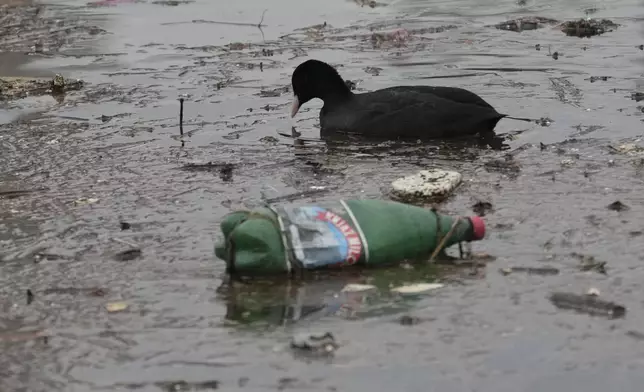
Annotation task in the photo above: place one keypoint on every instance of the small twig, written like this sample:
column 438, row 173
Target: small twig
column 444, row 240
column 259, row 25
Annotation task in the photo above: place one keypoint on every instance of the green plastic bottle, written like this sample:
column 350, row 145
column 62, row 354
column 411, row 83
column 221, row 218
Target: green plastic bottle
column 289, row 239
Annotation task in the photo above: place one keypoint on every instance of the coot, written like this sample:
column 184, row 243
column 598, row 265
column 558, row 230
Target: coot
column 402, row 112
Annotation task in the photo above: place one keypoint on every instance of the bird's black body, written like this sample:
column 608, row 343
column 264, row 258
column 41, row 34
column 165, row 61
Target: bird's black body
column 402, row 112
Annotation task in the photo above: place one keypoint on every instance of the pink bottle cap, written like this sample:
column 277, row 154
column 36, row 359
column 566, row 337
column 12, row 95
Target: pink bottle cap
column 478, row 226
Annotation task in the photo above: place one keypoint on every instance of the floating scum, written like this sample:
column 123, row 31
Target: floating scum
column 293, row 239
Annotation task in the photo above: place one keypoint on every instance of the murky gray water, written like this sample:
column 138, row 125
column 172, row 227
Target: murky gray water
column 488, row 332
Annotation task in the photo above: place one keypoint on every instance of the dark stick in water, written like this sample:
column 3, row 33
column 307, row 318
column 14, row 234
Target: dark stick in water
column 181, row 117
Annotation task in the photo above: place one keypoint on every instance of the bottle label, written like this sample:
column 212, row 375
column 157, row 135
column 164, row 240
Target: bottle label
column 321, row 236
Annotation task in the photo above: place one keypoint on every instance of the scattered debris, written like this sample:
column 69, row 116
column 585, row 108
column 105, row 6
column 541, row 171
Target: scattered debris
column 21, row 336
column 368, row 3
column 373, row 71
column 526, row 23
column 630, row 149
column 586, row 28
column 507, row 165
column 588, row 304
column 185, row 386
column 544, row 121
column 15, row 193
column 269, row 140
column 172, row 3
column 91, row 292
column 426, row 185
column 408, row 320
column 238, row 46
column 635, row 335
column 85, row 201
column 593, row 79
column 417, row 288
column 114, row 307
column 128, row 255
column 589, row 263
column 481, row 208
column 531, row 270
column 396, row 39
column 481, row 257
column 298, row 195
column 226, row 172
column 18, row 88
column 273, row 93
column 617, row 206
column 208, row 166
column 315, row 343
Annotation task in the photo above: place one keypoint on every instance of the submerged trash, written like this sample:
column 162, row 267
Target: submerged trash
column 628, row 149
column 635, row 334
column 85, row 200
column 185, row 386
column 589, row 263
column 586, row 28
column 593, row 79
column 408, row 320
column 396, row 38
column 294, row 238
column 524, row 24
column 17, row 87
column 588, row 304
column 315, row 343
column 531, row 270
column 21, row 336
column 617, row 206
column 128, row 255
column 426, row 185
column 481, row 208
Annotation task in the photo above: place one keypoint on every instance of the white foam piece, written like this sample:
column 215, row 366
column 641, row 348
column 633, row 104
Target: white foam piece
column 434, row 183
column 356, row 287
column 417, row 288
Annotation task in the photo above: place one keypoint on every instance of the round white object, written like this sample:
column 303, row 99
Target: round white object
column 427, row 184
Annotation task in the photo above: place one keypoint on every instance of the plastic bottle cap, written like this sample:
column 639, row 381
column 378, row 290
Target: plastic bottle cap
column 478, row 226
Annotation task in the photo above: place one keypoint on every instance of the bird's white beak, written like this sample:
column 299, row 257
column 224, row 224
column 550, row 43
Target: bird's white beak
column 295, row 107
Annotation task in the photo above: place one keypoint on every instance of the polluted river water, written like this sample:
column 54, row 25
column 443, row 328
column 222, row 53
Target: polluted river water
column 108, row 280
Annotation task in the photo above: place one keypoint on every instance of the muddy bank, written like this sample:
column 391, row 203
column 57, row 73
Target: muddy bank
column 104, row 172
